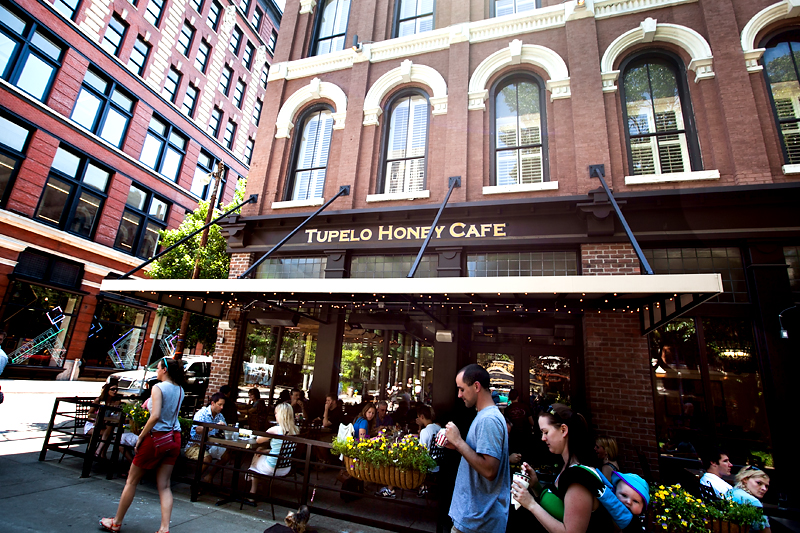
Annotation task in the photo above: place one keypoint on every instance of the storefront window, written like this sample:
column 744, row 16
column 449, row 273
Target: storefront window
column 292, row 267
column 501, row 373
column 117, row 336
column 725, row 261
column 39, row 322
column 409, row 367
column 550, row 379
column 708, row 388
column 522, row 264
column 392, row 266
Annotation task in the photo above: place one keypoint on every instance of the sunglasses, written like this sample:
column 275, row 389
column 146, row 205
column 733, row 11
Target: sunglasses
column 751, row 467
column 113, row 388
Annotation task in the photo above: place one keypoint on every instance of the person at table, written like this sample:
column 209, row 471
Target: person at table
column 298, row 406
column 265, row 464
column 230, row 412
column 364, row 425
column 752, row 484
column 427, row 437
column 211, row 414
column 333, row 414
column 109, row 396
column 285, row 396
column 383, row 419
column 166, row 402
column 716, row 464
column 256, row 411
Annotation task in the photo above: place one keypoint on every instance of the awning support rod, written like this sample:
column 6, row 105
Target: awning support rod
column 344, row 190
column 455, row 181
column 599, row 171
column 253, row 198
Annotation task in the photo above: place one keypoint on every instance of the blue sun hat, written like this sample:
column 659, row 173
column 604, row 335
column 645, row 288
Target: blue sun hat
column 635, row 482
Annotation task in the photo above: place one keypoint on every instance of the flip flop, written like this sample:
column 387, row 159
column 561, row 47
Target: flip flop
column 108, row 525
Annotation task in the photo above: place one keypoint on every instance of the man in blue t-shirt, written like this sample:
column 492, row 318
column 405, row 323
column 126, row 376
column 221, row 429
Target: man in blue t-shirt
column 483, row 486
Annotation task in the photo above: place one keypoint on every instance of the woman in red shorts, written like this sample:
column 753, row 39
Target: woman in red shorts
column 158, row 445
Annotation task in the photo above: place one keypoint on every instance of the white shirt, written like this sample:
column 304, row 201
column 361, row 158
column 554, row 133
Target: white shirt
column 427, row 435
column 719, row 485
column 3, row 360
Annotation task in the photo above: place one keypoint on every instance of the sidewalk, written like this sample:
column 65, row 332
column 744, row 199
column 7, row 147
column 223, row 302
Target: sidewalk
column 50, row 497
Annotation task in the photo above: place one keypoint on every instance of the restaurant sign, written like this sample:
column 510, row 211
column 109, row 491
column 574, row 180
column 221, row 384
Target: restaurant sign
column 456, row 230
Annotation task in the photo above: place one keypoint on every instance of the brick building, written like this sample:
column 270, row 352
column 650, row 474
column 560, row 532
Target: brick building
column 112, row 113
column 691, row 107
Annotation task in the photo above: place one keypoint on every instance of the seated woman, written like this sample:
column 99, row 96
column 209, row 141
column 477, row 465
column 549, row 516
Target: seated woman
column 606, row 450
column 364, row 425
column 567, row 434
column 109, row 397
column 751, row 486
column 265, row 464
column 256, row 412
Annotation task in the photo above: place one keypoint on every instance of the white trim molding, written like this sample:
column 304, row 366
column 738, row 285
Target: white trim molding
column 524, row 187
column 398, row 196
column 307, row 6
column 313, row 91
column 311, row 202
column 612, row 8
column 782, row 10
column 788, row 170
column 407, row 72
column 649, row 31
column 672, row 177
column 514, row 54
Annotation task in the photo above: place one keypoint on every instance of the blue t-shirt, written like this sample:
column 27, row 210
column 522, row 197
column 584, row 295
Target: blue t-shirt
column 480, row 505
column 360, row 423
column 741, row 496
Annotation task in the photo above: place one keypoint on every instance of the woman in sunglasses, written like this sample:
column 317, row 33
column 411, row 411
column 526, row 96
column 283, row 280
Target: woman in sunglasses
column 751, row 486
column 158, row 446
column 109, row 396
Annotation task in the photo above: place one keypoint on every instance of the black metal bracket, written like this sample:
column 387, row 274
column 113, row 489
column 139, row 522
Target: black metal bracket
column 344, row 190
column 599, row 171
column 454, row 181
column 252, row 199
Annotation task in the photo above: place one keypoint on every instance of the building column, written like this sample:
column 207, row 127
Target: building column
column 328, row 362
column 619, row 389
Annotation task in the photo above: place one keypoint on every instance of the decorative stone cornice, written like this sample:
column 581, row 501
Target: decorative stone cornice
column 649, row 31
column 769, row 15
column 612, row 8
column 315, row 90
column 407, row 72
column 514, row 54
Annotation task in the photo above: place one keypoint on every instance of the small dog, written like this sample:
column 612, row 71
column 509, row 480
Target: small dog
column 297, row 521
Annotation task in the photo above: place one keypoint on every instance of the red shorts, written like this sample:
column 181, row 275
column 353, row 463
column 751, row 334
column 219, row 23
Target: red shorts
column 146, row 457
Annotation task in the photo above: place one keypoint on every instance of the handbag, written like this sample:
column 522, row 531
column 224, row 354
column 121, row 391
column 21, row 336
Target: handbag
column 166, row 441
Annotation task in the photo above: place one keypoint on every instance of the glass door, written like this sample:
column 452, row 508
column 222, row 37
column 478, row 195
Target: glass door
column 500, row 361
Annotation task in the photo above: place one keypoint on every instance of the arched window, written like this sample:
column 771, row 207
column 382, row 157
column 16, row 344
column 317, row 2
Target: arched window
column 331, row 27
column 307, row 179
column 406, row 144
column 781, row 66
column 660, row 130
column 520, row 143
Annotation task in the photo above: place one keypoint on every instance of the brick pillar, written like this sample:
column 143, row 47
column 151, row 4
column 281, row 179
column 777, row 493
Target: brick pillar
column 619, row 388
column 228, row 346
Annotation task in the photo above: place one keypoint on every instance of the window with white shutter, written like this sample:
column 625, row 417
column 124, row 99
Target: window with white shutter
column 781, row 70
column 519, row 144
column 407, row 145
column 311, row 161
column 659, row 140
column 331, row 27
column 414, row 16
column 507, row 7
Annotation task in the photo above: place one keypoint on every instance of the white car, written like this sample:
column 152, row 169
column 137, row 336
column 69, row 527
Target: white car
column 196, row 367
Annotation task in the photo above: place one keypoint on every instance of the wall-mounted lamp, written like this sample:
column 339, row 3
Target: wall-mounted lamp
column 444, row 335
column 784, row 332
column 357, row 47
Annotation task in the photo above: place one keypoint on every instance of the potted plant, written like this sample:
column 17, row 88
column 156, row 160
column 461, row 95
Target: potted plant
column 136, row 415
column 402, row 463
column 673, row 509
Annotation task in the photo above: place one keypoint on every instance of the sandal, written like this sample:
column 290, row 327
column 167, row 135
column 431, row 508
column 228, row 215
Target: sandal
column 108, row 525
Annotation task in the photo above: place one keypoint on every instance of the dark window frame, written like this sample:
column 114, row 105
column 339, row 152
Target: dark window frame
column 202, row 66
column 496, row 87
column 226, row 87
column 211, row 167
column 216, row 10
column 775, row 38
column 238, row 95
column 248, row 150
column 314, row 48
column 230, row 143
column 149, row 14
column 272, row 42
column 235, row 44
column 165, row 144
column 71, row 205
column 25, row 48
column 144, row 213
column 145, row 56
column 187, row 47
column 110, row 28
column 173, row 94
column 248, row 55
column 690, row 129
column 385, row 134
column 258, row 108
column 191, row 110
column 397, row 21
column 197, row 5
column 218, row 117
column 107, row 104
column 295, row 150
column 246, row 7
column 12, row 153
column 257, row 20
column 67, row 7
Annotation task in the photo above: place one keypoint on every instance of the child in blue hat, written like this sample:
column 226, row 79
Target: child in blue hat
column 634, row 493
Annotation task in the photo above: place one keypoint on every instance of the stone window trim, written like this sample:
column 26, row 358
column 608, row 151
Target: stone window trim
column 527, row 187
column 674, row 177
column 785, row 9
column 315, row 91
column 389, row 197
column 289, row 204
column 651, row 31
column 406, row 73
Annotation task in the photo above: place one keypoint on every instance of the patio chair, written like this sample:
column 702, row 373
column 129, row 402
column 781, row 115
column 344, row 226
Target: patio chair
column 284, row 460
column 79, row 420
column 707, row 493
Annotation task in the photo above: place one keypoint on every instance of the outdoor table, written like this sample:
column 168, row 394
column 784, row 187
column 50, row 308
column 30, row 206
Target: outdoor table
column 237, row 448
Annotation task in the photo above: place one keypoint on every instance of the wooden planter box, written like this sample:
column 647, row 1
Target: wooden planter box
column 386, row 475
column 726, row 527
